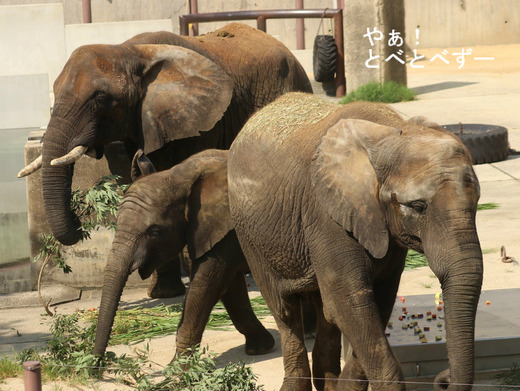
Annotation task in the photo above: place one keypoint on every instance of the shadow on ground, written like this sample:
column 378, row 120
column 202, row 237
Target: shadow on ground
column 440, row 86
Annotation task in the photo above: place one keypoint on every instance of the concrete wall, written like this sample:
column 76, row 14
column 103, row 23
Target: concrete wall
column 33, row 40
column 110, row 33
column 113, row 10
column 443, row 23
column 24, row 101
column 14, row 233
column 456, row 23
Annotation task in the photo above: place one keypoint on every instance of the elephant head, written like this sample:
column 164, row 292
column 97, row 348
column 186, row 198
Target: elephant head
column 159, row 215
column 146, row 95
column 413, row 186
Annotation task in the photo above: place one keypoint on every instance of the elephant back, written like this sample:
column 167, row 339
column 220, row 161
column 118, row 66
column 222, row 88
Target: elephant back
column 281, row 119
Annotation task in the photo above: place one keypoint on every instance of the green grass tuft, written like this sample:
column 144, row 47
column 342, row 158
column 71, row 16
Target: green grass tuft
column 388, row 92
column 487, row 206
column 415, row 260
column 9, row 368
column 511, row 377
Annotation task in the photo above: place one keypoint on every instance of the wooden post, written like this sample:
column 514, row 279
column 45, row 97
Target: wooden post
column 32, row 377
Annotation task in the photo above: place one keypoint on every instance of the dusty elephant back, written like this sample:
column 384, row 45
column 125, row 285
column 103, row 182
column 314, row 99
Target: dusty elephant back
column 281, row 119
column 296, row 111
column 256, row 56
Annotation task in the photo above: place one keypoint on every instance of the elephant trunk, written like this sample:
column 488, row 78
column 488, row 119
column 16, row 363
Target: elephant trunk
column 57, row 181
column 116, row 274
column 461, row 285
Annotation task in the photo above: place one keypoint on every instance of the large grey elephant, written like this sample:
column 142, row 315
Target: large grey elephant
column 169, row 95
column 160, row 214
column 327, row 200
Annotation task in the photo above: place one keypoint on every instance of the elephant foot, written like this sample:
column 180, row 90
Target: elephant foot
column 162, row 288
column 442, row 380
column 184, row 353
column 296, row 384
column 259, row 343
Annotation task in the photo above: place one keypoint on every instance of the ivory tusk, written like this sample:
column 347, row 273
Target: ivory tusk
column 31, row 167
column 71, row 157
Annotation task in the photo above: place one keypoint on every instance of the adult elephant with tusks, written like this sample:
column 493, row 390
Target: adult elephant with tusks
column 326, row 202
column 169, row 95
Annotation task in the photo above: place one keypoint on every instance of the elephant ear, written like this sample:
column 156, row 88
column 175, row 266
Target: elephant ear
column 207, row 212
column 426, row 122
column 141, row 166
column 346, row 184
column 185, row 94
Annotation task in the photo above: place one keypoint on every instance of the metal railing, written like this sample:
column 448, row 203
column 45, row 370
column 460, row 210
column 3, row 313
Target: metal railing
column 261, row 19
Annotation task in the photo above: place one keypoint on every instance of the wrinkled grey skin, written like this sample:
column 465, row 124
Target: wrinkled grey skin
column 159, row 215
column 168, row 95
column 326, row 200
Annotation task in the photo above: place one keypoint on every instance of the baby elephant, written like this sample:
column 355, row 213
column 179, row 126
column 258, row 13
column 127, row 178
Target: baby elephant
column 159, row 215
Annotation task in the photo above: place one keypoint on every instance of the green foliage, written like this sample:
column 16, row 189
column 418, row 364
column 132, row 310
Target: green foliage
column 415, row 260
column 50, row 248
column 68, row 357
column 137, row 324
column 510, row 378
column 388, row 92
column 9, row 368
column 67, row 353
column 487, row 206
column 95, row 207
column 197, row 370
column 98, row 205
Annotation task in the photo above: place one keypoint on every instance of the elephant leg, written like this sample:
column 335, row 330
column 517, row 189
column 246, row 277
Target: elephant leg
column 166, row 280
column 373, row 353
column 353, row 370
column 385, row 290
column 287, row 312
column 326, row 352
column 238, row 306
column 288, row 318
column 209, row 277
column 343, row 272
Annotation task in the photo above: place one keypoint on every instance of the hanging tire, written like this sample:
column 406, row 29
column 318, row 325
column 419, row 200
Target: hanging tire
column 486, row 143
column 324, row 57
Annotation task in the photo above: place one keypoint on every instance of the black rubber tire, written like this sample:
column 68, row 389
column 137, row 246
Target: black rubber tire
column 324, row 57
column 486, row 143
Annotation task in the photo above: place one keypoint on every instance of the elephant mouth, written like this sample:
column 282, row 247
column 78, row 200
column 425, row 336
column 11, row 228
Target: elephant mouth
column 96, row 152
column 411, row 241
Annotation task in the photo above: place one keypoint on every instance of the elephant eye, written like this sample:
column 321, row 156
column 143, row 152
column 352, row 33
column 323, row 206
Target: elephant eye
column 102, row 99
column 154, row 231
column 419, row 205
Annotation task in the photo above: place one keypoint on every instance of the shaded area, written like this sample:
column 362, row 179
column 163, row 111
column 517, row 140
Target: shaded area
column 446, row 85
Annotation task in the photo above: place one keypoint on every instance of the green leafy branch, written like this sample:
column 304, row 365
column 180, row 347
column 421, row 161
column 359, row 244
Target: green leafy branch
column 98, row 205
column 137, row 324
column 95, row 207
column 68, row 356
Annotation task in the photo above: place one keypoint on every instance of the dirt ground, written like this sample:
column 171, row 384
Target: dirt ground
column 269, row 368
